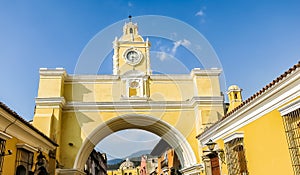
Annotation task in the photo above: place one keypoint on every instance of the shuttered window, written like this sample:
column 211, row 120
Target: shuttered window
column 2, row 149
column 235, row 157
column 292, row 129
column 24, row 159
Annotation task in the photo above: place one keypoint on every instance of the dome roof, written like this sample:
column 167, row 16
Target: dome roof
column 234, row 88
column 126, row 165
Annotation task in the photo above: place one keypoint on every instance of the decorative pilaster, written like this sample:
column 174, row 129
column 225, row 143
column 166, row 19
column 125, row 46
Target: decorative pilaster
column 148, row 56
column 116, row 57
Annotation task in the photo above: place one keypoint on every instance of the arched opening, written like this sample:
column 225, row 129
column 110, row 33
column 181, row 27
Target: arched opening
column 164, row 130
column 21, row 170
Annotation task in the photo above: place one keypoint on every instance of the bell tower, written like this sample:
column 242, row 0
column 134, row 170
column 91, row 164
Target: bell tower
column 131, row 61
column 234, row 97
column 131, row 52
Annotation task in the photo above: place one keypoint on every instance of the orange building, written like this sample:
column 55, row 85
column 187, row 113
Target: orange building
column 168, row 163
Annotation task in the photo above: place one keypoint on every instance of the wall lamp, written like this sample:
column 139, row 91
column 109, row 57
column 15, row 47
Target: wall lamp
column 9, row 152
column 211, row 146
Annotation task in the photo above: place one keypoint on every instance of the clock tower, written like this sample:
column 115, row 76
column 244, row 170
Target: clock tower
column 131, row 52
column 131, row 61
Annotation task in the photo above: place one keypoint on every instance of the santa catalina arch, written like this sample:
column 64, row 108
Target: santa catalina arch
column 78, row 111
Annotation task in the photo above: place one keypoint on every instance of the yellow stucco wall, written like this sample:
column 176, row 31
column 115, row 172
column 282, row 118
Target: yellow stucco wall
column 76, row 126
column 265, row 146
column 9, row 161
column 9, row 164
column 50, row 86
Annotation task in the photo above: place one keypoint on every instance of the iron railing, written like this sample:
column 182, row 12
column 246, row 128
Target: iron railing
column 292, row 129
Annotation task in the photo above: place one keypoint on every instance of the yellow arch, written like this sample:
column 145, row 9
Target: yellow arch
column 167, row 132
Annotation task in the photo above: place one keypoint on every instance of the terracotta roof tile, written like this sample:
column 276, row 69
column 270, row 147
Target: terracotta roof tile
column 14, row 114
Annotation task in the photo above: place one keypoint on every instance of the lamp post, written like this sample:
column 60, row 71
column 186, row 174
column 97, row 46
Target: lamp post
column 211, row 146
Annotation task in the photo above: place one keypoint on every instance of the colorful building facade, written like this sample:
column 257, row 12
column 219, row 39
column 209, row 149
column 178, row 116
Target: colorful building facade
column 126, row 168
column 168, row 163
column 24, row 150
column 96, row 164
column 259, row 135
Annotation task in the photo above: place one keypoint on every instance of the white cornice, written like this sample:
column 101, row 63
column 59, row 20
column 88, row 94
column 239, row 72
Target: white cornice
column 283, row 92
column 4, row 136
column 143, row 104
column 208, row 100
column 50, row 102
column 53, row 72
column 171, row 77
column 90, row 78
column 26, row 147
column 206, row 72
column 161, row 77
column 233, row 136
column 290, row 107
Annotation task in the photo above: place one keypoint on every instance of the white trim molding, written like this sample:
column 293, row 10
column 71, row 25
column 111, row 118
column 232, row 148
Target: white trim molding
column 233, row 136
column 206, row 72
column 50, row 102
column 290, row 107
column 193, row 169
column 53, row 72
column 145, row 103
column 26, row 147
column 4, row 136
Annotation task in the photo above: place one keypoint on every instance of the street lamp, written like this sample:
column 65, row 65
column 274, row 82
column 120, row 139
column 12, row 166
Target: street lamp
column 211, row 145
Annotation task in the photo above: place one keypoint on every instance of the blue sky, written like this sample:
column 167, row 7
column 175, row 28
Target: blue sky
column 255, row 41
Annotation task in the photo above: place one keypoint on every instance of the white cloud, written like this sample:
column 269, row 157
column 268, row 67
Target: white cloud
column 165, row 53
column 130, row 4
column 200, row 13
column 183, row 42
column 162, row 56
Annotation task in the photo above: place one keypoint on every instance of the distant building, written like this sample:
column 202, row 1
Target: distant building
column 152, row 163
column 168, row 163
column 96, row 164
column 143, row 170
column 24, row 150
column 148, row 165
column 126, row 168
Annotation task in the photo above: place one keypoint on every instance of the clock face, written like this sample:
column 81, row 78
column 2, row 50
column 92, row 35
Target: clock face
column 133, row 57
